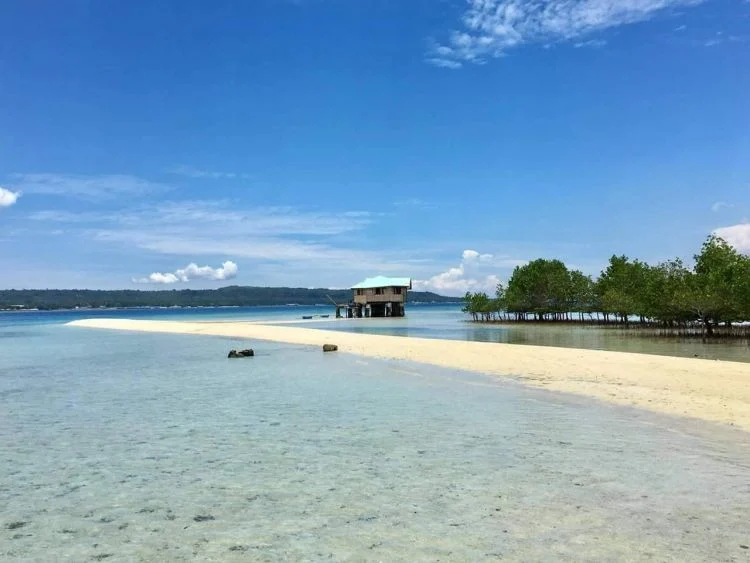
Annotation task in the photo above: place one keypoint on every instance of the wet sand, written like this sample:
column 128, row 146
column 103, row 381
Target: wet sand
column 705, row 389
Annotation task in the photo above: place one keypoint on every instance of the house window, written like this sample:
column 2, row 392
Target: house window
column 360, row 292
column 397, row 290
column 378, row 291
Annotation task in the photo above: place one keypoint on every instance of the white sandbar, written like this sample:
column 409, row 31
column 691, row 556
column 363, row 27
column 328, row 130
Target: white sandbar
column 707, row 389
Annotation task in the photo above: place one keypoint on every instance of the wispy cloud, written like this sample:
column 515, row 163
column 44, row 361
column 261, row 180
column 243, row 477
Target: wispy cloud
column 85, row 187
column 721, row 38
column 736, row 235
column 8, row 198
column 444, row 63
column 193, row 172
column 192, row 271
column 719, row 205
column 217, row 217
column 490, row 28
column 592, row 43
column 298, row 238
column 304, row 254
column 60, row 216
column 414, row 203
column 475, row 272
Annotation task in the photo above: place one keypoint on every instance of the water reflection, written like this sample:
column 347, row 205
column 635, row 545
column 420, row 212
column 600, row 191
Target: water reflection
column 452, row 325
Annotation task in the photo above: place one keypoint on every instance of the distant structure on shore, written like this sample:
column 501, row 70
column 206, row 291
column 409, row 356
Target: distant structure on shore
column 377, row 297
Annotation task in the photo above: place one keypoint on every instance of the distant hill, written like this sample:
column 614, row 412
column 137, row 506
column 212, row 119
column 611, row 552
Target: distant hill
column 223, row 297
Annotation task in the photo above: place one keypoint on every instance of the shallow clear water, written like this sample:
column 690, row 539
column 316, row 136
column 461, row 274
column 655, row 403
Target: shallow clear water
column 448, row 322
column 143, row 447
column 285, row 313
column 423, row 320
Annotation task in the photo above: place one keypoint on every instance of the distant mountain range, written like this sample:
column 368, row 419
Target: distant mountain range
column 223, row 297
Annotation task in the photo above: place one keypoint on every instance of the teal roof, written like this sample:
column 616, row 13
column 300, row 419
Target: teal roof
column 382, row 281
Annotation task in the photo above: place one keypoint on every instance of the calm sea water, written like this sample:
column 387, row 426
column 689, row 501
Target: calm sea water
column 144, row 447
column 426, row 321
column 448, row 322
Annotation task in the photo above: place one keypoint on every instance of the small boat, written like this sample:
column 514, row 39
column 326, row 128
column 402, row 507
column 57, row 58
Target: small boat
column 324, row 316
column 307, row 318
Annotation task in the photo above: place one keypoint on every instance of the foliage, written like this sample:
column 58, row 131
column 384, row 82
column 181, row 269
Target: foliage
column 223, row 297
column 716, row 290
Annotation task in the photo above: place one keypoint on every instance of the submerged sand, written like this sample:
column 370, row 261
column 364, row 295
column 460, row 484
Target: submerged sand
column 706, row 389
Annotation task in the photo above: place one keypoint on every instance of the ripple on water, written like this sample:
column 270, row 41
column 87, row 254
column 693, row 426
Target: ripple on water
column 123, row 447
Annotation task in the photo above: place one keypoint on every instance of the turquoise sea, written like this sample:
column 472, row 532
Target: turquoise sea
column 150, row 447
column 444, row 321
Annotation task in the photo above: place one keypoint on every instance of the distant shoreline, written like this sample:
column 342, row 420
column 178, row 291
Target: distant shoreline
column 711, row 390
column 229, row 296
column 174, row 307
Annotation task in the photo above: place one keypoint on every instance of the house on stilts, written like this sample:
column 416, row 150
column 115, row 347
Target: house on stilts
column 377, row 297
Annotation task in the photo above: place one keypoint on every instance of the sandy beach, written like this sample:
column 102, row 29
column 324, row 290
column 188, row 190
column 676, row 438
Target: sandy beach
column 705, row 389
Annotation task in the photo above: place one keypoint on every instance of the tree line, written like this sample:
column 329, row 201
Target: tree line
column 714, row 292
column 222, row 297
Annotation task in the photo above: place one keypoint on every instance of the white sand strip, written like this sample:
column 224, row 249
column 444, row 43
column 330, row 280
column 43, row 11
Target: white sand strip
column 706, row 389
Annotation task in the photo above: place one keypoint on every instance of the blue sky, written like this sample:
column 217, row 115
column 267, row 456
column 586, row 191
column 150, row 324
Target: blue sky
column 316, row 142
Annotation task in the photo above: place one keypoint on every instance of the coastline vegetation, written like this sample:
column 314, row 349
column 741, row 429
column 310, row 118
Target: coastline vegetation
column 232, row 296
column 710, row 299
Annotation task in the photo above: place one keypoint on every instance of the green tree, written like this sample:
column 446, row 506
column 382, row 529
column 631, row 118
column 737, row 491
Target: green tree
column 715, row 291
column 719, row 283
column 670, row 293
column 541, row 287
column 499, row 303
column 621, row 288
column 582, row 294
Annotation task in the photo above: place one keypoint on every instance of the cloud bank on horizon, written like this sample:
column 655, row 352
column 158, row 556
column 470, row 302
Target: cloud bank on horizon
column 192, row 271
column 490, row 28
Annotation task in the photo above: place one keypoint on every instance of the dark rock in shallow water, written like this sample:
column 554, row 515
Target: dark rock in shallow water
column 330, row 347
column 204, row 518
column 15, row 525
column 241, row 354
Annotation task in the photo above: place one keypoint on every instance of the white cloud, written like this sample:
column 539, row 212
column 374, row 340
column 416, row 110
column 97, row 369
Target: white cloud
column 720, row 38
column 85, row 187
column 474, row 273
column 719, row 205
column 492, row 27
column 281, row 243
column 227, row 271
column 218, row 218
column 192, row 271
column 444, row 63
column 193, row 172
column 593, row 43
column 308, row 240
column 470, row 256
column 736, row 235
column 157, row 277
column 267, row 249
column 8, row 198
